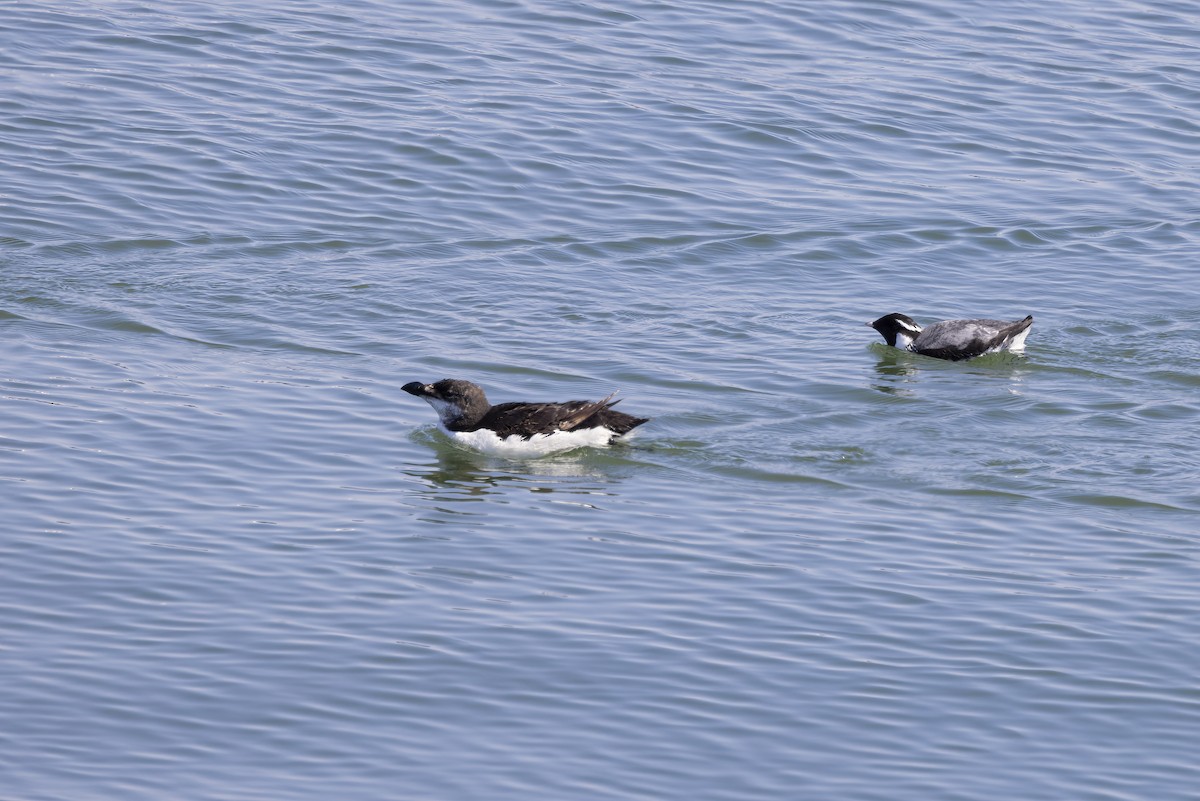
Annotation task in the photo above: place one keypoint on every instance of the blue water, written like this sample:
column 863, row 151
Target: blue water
column 238, row 563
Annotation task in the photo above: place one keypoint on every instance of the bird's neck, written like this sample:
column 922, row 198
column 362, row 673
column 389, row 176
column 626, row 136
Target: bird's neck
column 453, row 417
column 904, row 339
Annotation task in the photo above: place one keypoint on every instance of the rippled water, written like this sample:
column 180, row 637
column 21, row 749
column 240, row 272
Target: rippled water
column 240, row 563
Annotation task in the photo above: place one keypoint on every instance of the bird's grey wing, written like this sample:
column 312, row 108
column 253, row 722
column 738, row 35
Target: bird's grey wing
column 958, row 339
column 527, row 419
column 958, row 334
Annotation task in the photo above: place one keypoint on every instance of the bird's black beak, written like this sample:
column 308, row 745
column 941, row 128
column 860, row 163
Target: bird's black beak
column 416, row 388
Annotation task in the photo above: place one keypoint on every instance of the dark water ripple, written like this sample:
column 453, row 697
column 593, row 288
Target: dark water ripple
column 240, row 564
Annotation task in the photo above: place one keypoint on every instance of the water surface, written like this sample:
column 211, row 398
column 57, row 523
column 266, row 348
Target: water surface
column 239, row 563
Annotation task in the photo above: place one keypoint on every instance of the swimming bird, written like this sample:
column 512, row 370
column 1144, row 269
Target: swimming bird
column 953, row 339
column 521, row 429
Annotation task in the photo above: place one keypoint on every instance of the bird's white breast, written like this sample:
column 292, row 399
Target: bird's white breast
column 515, row 447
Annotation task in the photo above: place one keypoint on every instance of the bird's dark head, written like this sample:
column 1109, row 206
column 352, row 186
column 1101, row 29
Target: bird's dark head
column 459, row 404
column 898, row 329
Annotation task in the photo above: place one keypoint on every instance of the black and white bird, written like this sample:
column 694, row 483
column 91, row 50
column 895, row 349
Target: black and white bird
column 953, row 339
column 521, row 429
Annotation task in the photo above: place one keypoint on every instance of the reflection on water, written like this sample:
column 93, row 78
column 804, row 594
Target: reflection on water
column 896, row 368
column 459, row 474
